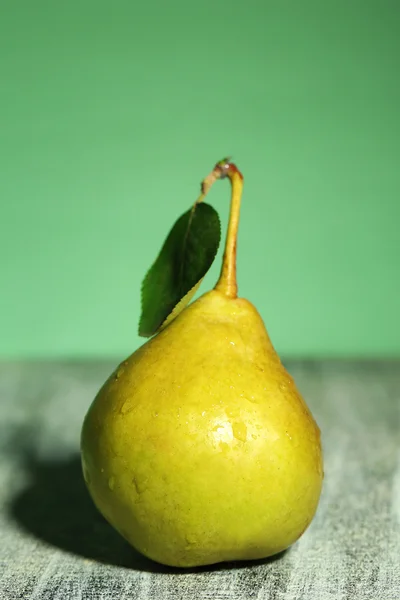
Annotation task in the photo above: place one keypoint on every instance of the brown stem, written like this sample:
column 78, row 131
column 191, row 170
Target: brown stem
column 227, row 283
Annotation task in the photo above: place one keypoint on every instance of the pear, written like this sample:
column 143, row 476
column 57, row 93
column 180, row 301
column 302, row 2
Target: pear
column 199, row 448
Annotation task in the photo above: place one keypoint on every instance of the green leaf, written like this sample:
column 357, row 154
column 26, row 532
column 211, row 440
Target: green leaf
column 187, row 254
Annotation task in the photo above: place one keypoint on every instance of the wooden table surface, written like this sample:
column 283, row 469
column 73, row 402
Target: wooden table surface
column 54, row 544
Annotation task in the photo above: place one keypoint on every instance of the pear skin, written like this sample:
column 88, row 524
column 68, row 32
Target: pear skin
column 199, row 448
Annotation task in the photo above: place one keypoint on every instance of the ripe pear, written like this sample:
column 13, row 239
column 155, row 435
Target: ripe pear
column 199, row 448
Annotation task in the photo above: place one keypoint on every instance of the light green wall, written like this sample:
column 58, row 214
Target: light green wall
column 112, row 112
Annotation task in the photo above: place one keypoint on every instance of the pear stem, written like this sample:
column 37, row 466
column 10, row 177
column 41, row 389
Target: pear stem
column 227, row 283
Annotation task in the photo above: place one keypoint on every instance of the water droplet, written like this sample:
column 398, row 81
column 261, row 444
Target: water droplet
column 140, row 485
column 190, row 540
column 233, row 343
column 126, row 407
column 111, row 483
column 203, row 413
column 86, row 475
column 239, row 430
column 120, row 370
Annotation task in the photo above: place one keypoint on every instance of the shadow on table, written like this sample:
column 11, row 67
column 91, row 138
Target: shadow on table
column 56, row 507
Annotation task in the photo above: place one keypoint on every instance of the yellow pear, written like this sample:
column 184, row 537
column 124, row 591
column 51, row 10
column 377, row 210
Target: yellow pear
column 199, row 448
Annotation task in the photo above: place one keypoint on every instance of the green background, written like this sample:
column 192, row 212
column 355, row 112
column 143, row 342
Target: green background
column 112, row 112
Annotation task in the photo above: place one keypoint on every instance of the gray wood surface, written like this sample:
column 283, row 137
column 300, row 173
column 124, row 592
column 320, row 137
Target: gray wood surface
column 54, row 545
